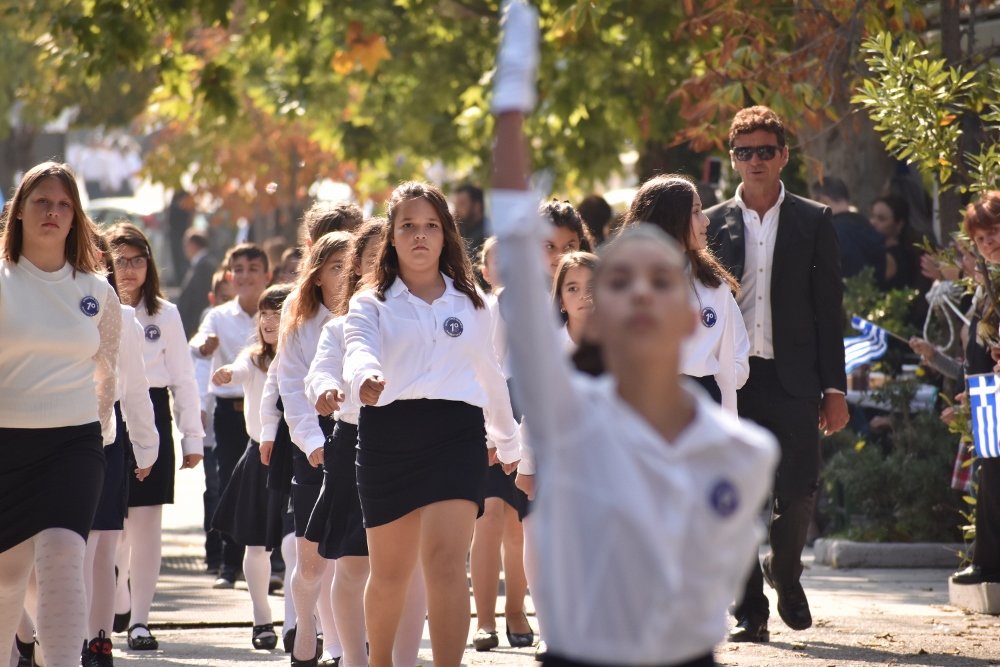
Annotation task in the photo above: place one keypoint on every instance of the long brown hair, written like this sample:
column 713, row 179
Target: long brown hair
column 372, row 231
column 124, row 233
column 307, row 296
column 454, row 261
column 261, row 352
column 571, row 260
column 80, row 250
column 667, row 202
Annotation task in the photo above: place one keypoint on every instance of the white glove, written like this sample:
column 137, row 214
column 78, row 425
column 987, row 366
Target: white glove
column 517, row 58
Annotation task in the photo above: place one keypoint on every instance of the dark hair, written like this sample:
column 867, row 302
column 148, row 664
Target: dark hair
column 247, row 251
column 273, row 298
column 596, row 213
column 571, row 260
column 562, row 214
column 196, row 237
column 667, row 202
column 454, row 261
column 307, row 295
column 325, row 217
column 371, row 231
column 109, row 263
column 274, row 247
column 832, row 187
column 80, row 251
column 124, row 233
column 751, row 119
column 900, row 209
column 218, row 280
column 474, row 192
column 982, row 214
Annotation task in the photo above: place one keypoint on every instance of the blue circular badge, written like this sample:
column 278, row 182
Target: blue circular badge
column 724, row 498
column 90, row 306
column 709, row 317
column 152, row 332
column 453, row 327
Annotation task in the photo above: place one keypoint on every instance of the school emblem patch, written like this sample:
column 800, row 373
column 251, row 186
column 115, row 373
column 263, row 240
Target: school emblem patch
column 152, row 333
column 724, row 498
column 709, row 317
column 89, row 306
column 453, row 327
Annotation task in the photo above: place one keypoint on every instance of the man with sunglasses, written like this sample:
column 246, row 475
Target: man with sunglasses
column 784, row 251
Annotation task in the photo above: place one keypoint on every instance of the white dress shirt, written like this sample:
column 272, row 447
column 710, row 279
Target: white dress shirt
column 236, row 329
column 755, row 284
column 133, row 392
column 327, row 370
column 168, row 364
column 252, row 379
column 297, row 352
column 441, row 350
column 270, row 415
column 642, row 542
column 719, row 345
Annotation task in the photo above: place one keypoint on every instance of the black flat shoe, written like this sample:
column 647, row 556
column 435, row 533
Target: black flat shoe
column 25, row 653
column 288, row 639
column 973, row 575
column 264, row 638
column 484, row 640
column 750, row 631
column 311, row 662
column 793, row 607
column 122, row 621
column 142, row 642
column 521, row 639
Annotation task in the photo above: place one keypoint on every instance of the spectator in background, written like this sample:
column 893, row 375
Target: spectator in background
column 275, row 248
column 597, row 215
column 467, row 202
column 288, row 266
column 197, row 282
column 180, row 213
column 890, row 218
column 861, row 245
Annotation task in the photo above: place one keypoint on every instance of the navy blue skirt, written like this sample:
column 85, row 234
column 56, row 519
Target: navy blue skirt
column 158, row 487
column 418, row 452
column 113, row 505
column 306, row 482
column 249, row 513
column 336, row 523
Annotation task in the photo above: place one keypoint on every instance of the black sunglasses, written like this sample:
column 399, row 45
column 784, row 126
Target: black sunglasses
column 746, row 153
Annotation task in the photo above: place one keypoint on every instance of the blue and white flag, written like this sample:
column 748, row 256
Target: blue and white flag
column 985, row 410
column 866, row 348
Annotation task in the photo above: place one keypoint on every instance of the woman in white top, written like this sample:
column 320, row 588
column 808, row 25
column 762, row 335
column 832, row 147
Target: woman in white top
column 170, row 372
column 60, row 326
column 671, row 492
column 717, row 354
column 421, row 362
column 247, row 513
column 321, row 278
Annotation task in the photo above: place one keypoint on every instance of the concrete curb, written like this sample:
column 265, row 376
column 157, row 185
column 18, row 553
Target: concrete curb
column 847, row 554
column 980, row 598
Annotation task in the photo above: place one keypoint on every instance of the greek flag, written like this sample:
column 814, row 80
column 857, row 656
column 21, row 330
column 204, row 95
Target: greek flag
column 984, row 408
column 863, row 349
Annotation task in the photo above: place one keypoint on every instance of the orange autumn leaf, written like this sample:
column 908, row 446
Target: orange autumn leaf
column 366, row 50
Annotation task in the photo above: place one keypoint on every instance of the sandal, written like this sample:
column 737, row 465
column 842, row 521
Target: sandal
column 142, row 642
column 264, row 637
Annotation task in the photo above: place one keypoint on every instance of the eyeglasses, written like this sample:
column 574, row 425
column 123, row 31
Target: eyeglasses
column 135, row 263
column 746, row 153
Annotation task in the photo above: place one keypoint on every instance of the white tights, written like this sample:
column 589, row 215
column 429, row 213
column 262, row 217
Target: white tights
column 531, row 560
column 99, row 568
column 139, row 562
column 57, row 555
column 312, row 584
column 288, row 555
column 257, row 570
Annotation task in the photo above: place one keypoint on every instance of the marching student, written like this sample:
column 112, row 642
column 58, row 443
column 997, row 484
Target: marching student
column 717, row 355
column 571, row 294
column 498, row 533
column 170, row 373
column 246, row 508
column 420, row 360
column 226, row 330
column 668, row 456
column 315, row 293
column 60, row 330
column 134, row 407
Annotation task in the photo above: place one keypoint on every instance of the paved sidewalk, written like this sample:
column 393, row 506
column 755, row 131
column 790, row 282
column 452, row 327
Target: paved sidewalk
column 863, row 617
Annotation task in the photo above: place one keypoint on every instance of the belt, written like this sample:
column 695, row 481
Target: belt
column 236, row 404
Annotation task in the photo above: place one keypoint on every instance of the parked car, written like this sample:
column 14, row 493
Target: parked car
column 147, row 215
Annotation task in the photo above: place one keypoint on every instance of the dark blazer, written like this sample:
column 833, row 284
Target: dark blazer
column 194, row 293
column 806, row 290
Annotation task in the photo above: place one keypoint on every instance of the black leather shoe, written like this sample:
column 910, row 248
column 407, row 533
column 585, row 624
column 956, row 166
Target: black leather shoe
column 974, row 574
column 750, row 631
column 793, row 607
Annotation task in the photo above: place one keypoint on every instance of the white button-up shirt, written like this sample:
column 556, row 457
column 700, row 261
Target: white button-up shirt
column 441, row 350
column 251, row 379
column 297, row 352
column 755, row 285
column 327, row 370
column 235, row 328
column 133, row 392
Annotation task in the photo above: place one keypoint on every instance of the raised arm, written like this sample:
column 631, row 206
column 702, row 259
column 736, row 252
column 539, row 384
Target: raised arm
column 326, row 372
column 363, row 344
column 300, row 414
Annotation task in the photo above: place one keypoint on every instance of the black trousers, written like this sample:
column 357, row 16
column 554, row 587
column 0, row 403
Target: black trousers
column 794, row 422
column 230, row 441
column 986, row 553
column 709, row 384
column 210, row 501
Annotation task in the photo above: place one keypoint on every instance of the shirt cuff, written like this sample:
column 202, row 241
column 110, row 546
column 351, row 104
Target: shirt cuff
column 268, row 432
column 515, row 213
column 831, row 390
column 192, row 445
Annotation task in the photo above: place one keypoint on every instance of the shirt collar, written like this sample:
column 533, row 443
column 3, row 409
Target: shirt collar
column 398, row 287
column 743, row 206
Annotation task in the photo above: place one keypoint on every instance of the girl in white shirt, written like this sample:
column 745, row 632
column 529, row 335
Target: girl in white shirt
column 246, row 513
column 170, row 372
column 671, row 494
column 60, row 329
column 319, row 284
column 421, row 362
column 717, row 354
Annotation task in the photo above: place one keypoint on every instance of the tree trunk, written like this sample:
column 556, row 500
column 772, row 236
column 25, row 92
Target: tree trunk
column 950, row 201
